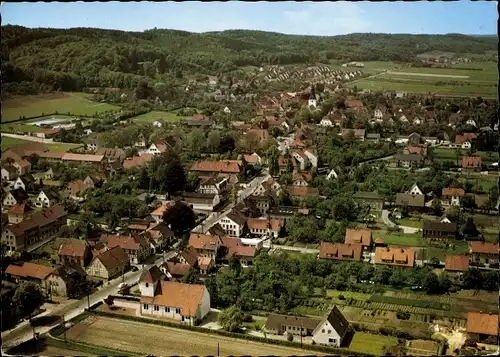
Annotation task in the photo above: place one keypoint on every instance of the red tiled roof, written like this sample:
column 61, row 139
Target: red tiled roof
column 484, row 248
column 404, row 257
column 74, row 248
column 460, row 139
column 137, row 161
column 358, row 133
column 456, row 262
column 204, row 241
column 301, row 191
column 481, row 323
column 20, row 208
column 226, row 166
column 340, row 251
column 358, row 236
column 177, row 269
column 187, row 297
column 451, row 191
column 30, row 270
column 306, row 176
column 113, row 258
column 126, row 242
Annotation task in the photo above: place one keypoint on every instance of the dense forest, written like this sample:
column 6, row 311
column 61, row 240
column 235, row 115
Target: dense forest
column 71, row 59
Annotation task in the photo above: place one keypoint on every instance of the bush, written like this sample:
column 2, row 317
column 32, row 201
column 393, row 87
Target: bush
column 341, row 297
column 289, row 337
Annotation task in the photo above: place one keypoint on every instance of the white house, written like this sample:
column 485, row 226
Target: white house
column 141, row 141
column 87, row 131
column 466, row 144
column 311, row 156
column 233, row 223
column 155, row 149
column 213, row 185
column 188, row 303
column 301, row 158
column 157, row 124
column 326, row 122
column 415, row 190
column 227, row 110
column 19, row 184
column 312, row 103
column 471, row 122
column 403, row 118
column 9, row 173
column 201, row 202
column 378, row 115
column 331, row 174
column 46, row 198
column 331, row 330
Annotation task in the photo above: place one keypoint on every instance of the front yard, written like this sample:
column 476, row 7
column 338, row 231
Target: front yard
column 369, row 343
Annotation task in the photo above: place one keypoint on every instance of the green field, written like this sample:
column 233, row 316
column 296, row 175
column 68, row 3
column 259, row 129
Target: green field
column 443, row 81
column 408, row 222
column 401, row 239
column 425, row 304
column 153, row 116
column 363, row 342
column 8, row 142
column 34, row 105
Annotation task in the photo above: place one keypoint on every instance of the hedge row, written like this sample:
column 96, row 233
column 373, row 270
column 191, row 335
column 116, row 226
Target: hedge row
column 339, row 351
column 43, row 115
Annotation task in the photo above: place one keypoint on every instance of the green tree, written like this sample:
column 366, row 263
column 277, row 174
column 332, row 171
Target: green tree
column 191, row 277
column 231, row 319
column 437, row 208
column 180, row 217
column 28, row 297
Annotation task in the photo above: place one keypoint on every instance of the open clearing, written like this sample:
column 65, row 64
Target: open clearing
column 151, row 117
column 428, row 74
column 159, row 340
column 34, row 105
column 368, row 343
column 8, row 142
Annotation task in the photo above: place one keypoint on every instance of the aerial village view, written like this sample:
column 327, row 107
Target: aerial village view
column 261, row 178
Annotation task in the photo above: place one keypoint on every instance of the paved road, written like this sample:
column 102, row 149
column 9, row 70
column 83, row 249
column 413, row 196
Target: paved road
column 34, row 138
column 23, row 331
column 296, row 249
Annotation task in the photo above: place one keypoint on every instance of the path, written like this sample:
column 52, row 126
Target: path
column 23, row 331
column 390, row 224
column 35, row 139
column 296, row 249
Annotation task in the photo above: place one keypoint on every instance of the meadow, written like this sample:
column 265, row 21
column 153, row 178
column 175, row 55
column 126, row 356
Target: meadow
column 36, row 105
column 151, row 117
column 466, row 79
column 8, row 142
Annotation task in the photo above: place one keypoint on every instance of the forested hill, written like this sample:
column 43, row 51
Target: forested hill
column 95, row 57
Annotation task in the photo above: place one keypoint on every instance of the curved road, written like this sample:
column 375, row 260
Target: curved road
column 389, row 223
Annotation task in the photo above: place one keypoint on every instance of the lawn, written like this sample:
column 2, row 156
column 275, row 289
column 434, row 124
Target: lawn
column 34, row 105
column 144, row 338
column 363, row 342
column 8, row 142
column 456, row 81
column 409, row 222
column 401, row 239
column 153, row 116
column 458, row 249
column 23, row 128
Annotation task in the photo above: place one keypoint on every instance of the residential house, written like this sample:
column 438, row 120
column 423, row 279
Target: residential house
column 265, row 226
column 295, row 325
column 24, row 182
column 301, row 179
column 222, row 166
column 312, row 156
column 75, row 189
column 331, row 330
column 109, row 263
column 415, row 190
column 174, row 270
column 484, row 253
column 253, row 159
column 74, row 251
column 456, row 265
column 471, row 163
column 482, row 327
column 412, row 201
column 112, row 155
column 137, row 161
column 159, row 236
column 270, row 185
column 201, row 202
column 205, row 245
column 331, row 175
column 359, row 134
column 378, row 115
column 18, row 213
column 234, row 223
column 439, row 230
column 375, row 137
column 340, row 251
column 51, row 280
column 213, row 185
column 409, row 160
column 302, row 192
column 287, row 212
column 234, row 247
column 188, row 303
column 465, row 140
column 157, row 148
column 9, row 173
column 396, row 256
column 415, row 149
column 136, row 246
column 263, row 202
column 371, row 198
column 359, row 236
column 47, row 197
column 158, row 213
column 471, row 122
column 326, row 122
column 354, row 104
column 34, row 228
column 451, row 196
column 301, row 157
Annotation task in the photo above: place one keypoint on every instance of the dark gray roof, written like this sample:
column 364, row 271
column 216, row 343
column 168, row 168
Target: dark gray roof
column 408, row 157
column 373, row 136
column 19, row 194
column 440, row 226
column 337, row 320
column 274, row 322
column 410, row 200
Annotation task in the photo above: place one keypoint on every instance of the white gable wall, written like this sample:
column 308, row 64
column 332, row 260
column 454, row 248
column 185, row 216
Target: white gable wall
column 326, row 335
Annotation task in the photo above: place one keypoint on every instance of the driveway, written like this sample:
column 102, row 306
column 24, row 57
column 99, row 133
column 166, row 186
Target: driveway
column 386, row 220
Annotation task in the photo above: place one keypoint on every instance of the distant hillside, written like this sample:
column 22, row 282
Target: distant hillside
column 69, row 59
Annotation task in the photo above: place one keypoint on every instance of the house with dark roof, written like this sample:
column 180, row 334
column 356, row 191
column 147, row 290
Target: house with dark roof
column 234, row 223
column 295, row 325
column 371, row 198
column 109, row 263
column 409, row 160
column 47, row 197
column 358, row 134
column 331, row 330
column 136, row 246
column 14, row 197
column 439, row 230
column 412, row 201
